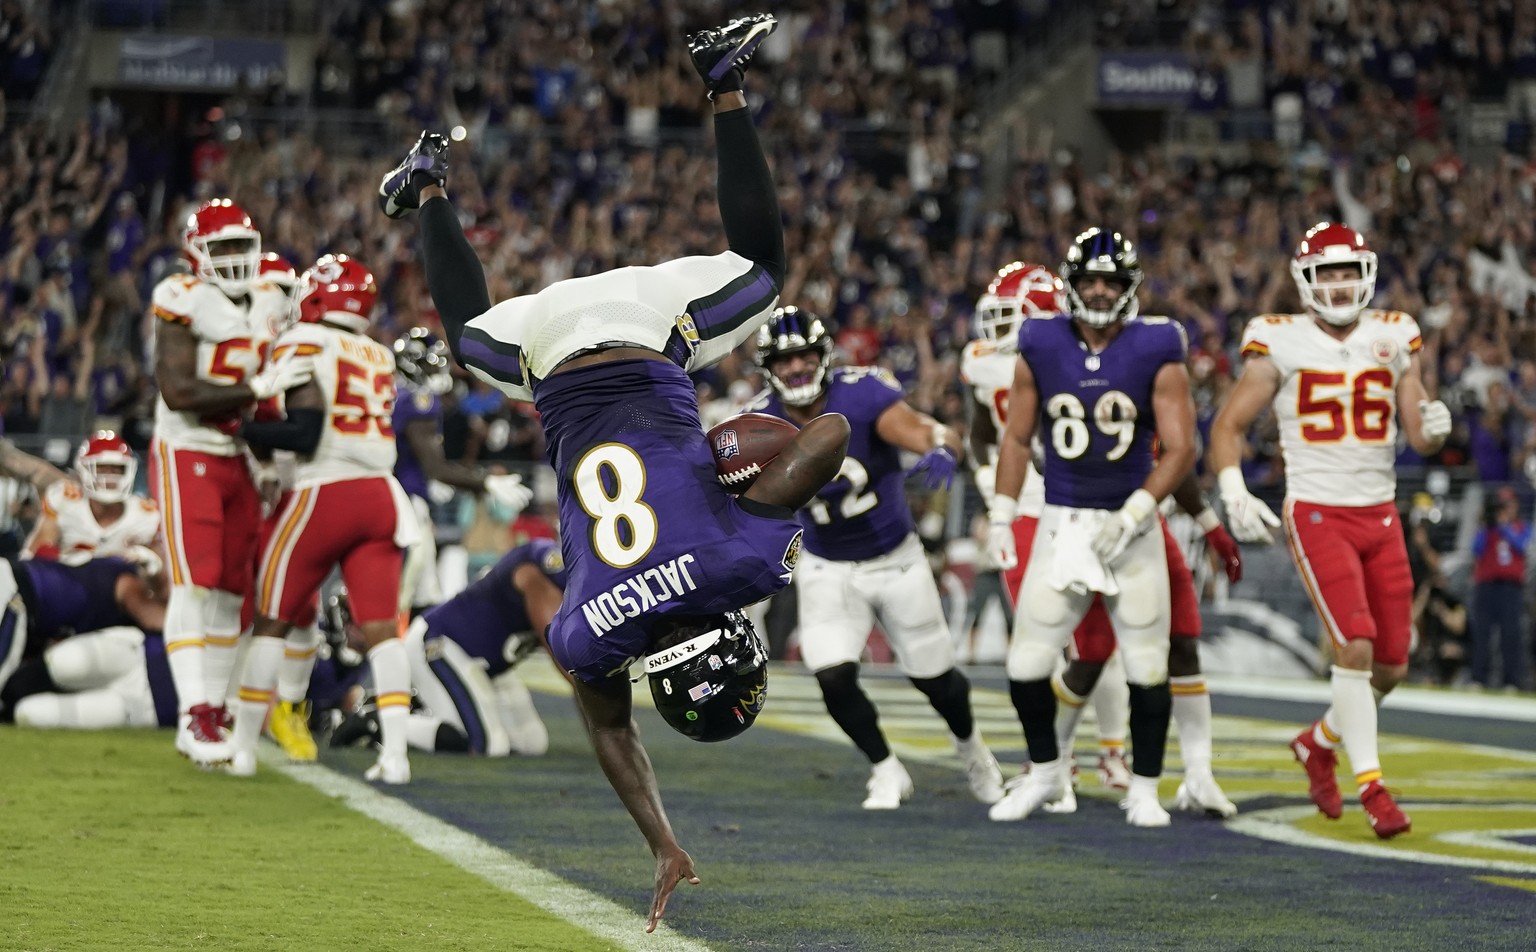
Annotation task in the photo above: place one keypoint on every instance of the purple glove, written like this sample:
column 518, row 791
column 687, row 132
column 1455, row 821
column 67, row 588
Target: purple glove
column 937, row 468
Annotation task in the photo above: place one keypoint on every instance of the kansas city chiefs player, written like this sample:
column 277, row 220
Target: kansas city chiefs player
column 1339, row 377
column 100, row 514
column 212, row 328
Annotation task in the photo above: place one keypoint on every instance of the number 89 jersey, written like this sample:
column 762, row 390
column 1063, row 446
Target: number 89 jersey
column 1096, row 417
column 1337, row 402
column 357, row 376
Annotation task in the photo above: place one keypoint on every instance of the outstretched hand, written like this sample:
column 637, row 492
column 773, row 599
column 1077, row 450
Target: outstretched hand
column 672, row 867
column 937, row 467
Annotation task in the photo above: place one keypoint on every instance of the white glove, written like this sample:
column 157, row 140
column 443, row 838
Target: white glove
column 1435, row 424
column 1247, row 516
column 439, row 493
column 281, row 377
column 986, row 483
column 509, row 491
column 1001, row 548
column 148, row 560
column 1123, row 525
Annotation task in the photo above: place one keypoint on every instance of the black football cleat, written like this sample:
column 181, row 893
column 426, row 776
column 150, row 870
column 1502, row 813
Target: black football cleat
column 397, row 193
column 720, row 55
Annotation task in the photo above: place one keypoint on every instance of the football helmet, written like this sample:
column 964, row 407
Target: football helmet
column 275, row 270
column 222, row 245
column 1105, row 254
column 1330, row 243
column 421, row 357
column 337, row 290
column 106, row 467
column 709, row 677
column 1020, row 290
column 791, row 331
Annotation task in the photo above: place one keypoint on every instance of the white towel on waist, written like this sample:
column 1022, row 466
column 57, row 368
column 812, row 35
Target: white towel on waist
column 1074, row 566
column 407, row 528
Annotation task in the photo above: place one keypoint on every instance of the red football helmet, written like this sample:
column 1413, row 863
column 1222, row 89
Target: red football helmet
column 223, row 246
column 106, row 467
column 1020, row 290
column 1330, row 243
column 276, row 271
column 337, row 290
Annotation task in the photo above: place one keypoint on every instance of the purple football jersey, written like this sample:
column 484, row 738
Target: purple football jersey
column 1096, row 416
column 64, row 600
column 484, row 615
column 413, row 404
column 647, row 529
column 863, row 513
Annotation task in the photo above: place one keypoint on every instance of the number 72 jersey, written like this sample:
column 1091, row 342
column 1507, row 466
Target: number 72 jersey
column 1337, row 402
column 357, row 376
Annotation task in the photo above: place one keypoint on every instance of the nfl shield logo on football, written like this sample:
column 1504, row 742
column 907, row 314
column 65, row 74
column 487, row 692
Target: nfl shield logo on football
column 725, row 444
column 1384, row 350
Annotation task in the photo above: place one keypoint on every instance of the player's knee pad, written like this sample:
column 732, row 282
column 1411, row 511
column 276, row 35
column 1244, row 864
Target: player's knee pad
column 73, row 663
column 951, row 687
column 42, row 711
column 221, row 612
column 1145, row 658
column 184, row 612
column 1032, row 658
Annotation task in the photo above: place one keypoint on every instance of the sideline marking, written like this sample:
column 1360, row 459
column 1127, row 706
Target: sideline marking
column 1275, row 825
column 1406, row 698
column 599, row 916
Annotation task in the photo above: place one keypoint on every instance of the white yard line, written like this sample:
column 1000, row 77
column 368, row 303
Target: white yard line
column 1464, row 704
column 622, row 927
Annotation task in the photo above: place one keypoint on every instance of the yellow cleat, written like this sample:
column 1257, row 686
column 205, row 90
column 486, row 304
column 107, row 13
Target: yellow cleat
column 289, row 726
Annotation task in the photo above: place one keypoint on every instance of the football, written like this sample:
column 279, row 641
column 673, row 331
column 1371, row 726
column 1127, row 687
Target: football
column 746, row 443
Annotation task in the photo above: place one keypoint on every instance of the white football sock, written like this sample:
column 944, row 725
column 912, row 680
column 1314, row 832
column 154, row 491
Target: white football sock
column 392, row 685
column 1069, row 713
column 299, row 650
column 261, row 661
column 1192, row 715
column 1356, row 710
column 1112, row 705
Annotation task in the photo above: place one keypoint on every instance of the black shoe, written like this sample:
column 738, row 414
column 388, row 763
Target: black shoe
column 429, row 156
column 358, row 728
column 720, row 55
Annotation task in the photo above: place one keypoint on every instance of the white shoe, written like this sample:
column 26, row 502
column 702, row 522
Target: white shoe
column 1067, row 803
column 204, row 741
column 889, row 784
column 1045, row 783
column 981, row 769
column 242, row 764
column 1141, row 806
column 1114, row 772
column 392, row 770
column 1200, row 792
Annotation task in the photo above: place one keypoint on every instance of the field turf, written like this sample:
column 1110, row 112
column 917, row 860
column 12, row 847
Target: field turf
column 114, row 843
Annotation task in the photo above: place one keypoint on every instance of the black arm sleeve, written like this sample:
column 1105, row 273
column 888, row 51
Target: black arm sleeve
column 300, row 432
column 454, row 275
column 749, row 205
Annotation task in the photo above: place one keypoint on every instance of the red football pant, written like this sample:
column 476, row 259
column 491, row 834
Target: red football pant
column 1336, row 548
column 350, row 523
column 210, row 514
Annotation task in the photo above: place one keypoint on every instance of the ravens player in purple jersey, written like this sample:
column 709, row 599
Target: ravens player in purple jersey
column 459, row 648
column 421, row 378
column 1099, row 384
column 82, row 645
column 659, row 557
column 862, row 557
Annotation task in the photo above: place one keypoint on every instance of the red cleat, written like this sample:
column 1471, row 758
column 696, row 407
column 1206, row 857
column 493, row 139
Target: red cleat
column 1386, row 819
column 1321, row 764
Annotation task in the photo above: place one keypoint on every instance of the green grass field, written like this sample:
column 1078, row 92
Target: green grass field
column 114, row 843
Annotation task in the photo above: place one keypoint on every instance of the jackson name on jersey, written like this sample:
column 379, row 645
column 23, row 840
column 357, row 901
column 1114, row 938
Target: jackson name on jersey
column 232, row 340
column 1337, row 402
column 82, row 538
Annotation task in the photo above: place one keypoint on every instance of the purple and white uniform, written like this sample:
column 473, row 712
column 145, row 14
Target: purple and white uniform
column 1096, row 424
column 418, row 583
column 457, row 647
column 862, row 559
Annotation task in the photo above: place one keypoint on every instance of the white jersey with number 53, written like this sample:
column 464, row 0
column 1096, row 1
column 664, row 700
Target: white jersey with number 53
column 1337, row 402
column 357, row 376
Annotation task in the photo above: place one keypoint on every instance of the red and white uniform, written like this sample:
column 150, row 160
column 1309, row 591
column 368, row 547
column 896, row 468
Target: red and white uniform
column 198, row 473
column 988, row 368
column 1337, row 414
column 345, row 508
column 82, row 538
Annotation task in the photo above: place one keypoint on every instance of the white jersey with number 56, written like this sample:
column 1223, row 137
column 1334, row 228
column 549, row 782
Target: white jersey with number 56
column 1337, row 402
column 357, row 376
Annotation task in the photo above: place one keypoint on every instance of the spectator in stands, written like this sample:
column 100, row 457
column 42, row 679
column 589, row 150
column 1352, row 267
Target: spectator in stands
column 1498, row 598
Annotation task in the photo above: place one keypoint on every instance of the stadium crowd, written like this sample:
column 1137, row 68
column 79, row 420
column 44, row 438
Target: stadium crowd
column 871, row 118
